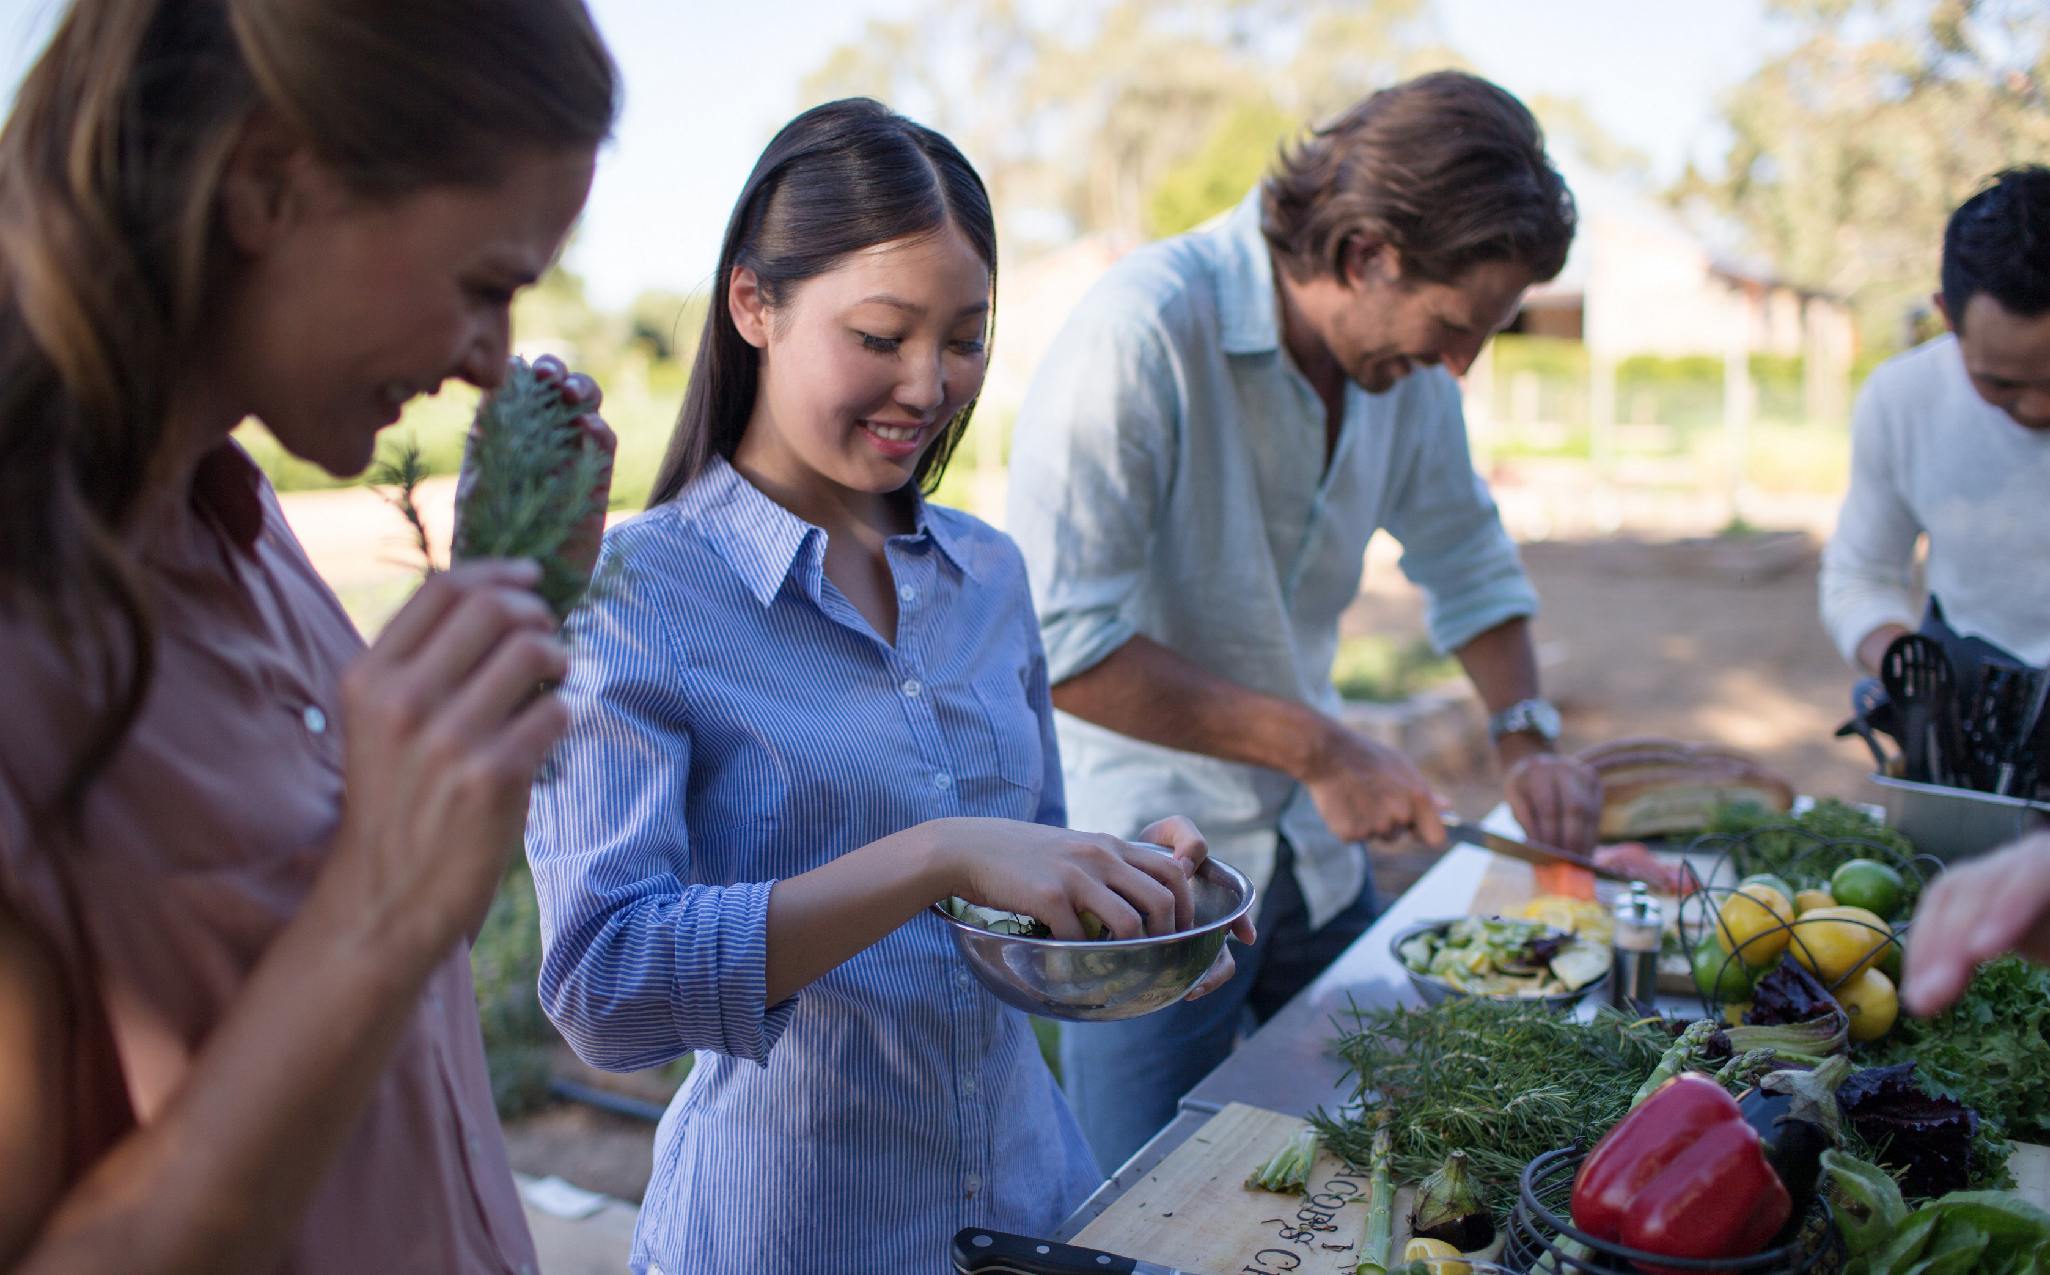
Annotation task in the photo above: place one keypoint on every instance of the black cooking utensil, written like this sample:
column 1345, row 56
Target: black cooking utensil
column 1920, row 682
column 2021, row 748
column 981, row 1251
column 1993, row 722
column 1869, row 706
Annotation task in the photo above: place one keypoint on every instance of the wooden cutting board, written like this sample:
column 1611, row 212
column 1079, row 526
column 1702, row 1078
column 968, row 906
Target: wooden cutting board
column 1194, row 1210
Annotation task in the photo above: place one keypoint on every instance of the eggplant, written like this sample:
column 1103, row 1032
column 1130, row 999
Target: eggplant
column 1795, row 1116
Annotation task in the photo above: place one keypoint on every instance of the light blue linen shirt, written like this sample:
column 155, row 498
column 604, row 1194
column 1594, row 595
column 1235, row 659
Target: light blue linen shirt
column 734, row 721
column 1168, row 479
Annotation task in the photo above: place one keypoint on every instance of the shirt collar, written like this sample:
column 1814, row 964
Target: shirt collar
column 766, row 544
column 1244, row 269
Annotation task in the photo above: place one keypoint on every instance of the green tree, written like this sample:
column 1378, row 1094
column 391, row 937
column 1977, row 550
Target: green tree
column 1076, row 113
column 1849, row 151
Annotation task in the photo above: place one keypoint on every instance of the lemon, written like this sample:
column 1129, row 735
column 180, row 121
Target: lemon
column 1870, row 1001
column 1437, row 1256
column 1838, row 943
column 1753, row 923
column 1868, row 884
column 1809, row 900
column 1734, row 1014
column 1767, row 878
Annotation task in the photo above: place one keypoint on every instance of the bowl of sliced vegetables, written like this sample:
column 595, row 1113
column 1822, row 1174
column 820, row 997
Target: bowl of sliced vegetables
column 1499, row 958
column 1101, row 979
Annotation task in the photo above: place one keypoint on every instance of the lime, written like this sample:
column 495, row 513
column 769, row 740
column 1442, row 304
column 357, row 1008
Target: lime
column 1868, row 884
column 1889, row 962
column 1722, row 978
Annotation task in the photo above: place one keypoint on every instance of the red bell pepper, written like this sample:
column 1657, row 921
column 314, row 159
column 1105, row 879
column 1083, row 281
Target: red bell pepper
column 1682, row 1176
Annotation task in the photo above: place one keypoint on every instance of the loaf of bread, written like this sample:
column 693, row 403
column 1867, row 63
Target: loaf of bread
column 1663, row 787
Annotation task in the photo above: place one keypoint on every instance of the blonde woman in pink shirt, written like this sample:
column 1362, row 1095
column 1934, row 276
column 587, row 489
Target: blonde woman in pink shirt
column 240, row 854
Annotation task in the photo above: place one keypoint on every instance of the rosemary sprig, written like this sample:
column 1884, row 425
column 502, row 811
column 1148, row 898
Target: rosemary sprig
column 1502, row 1081
column 402, row 475
column 535, row 482
column 531, row 483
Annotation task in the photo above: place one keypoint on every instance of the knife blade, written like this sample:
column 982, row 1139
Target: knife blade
column 981, row 1251
column 1524, row 851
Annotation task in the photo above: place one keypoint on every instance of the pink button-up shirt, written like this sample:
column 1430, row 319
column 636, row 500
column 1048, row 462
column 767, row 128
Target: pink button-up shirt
column 199, row 844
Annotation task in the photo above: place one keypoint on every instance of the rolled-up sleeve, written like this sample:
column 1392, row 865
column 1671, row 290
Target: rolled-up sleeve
column 1454, row 546
column 638, row 967
column 1092, row 453
column 1868, row 565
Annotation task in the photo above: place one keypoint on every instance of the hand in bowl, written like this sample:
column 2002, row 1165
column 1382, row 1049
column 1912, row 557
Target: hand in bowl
column 1189, row 849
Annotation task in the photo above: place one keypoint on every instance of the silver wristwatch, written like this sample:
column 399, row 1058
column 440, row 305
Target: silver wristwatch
column 1530, row 716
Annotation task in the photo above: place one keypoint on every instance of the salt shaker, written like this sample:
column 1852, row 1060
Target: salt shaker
column 1634, row 958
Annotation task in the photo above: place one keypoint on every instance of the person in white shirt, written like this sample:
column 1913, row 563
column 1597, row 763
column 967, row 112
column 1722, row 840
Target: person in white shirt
column 1952, row 440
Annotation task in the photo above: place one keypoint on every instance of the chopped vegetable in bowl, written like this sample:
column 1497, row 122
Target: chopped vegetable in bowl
column 1492, row 956
column 1015, row 924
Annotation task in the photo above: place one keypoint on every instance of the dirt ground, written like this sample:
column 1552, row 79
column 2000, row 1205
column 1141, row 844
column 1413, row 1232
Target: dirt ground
column 1636, row 637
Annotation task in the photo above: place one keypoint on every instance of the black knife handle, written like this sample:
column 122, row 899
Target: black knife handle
column 981, row 1251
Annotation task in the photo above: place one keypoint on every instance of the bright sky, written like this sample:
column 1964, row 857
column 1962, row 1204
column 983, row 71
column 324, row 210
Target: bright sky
column 708, row 81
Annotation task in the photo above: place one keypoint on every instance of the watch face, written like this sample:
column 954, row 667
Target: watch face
column 1534, row 715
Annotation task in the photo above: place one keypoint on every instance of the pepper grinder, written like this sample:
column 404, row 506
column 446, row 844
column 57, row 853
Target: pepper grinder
column 1634, row 954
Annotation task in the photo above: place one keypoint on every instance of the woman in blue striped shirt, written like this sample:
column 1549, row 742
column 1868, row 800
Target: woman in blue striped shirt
column 806, row 705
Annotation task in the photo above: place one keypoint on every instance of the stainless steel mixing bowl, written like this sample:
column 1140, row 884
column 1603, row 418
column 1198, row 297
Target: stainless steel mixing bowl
column 1097, row 981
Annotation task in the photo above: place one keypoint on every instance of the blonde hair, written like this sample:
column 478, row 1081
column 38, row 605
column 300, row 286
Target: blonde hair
column 111, row 255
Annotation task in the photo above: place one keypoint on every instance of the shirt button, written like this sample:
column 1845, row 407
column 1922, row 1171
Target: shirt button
column 973, row 1183
column 968, row 1085
column 911, row 688
column 906, row 593
column 943, row 781
column 316, row 721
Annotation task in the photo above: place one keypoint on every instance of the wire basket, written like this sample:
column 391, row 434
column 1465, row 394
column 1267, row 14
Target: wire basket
column 1717, row 866
column 1542, row 1237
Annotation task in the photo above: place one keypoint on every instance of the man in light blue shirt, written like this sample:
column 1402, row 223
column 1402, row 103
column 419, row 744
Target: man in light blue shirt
column 1199, row 463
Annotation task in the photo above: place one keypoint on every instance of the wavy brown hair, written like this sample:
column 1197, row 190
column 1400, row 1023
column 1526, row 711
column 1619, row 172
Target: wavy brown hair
column 111, row 256
column 1448, row 169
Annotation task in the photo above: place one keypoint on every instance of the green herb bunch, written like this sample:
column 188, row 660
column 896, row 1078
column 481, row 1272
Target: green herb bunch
column 1502, row 1081
column 535, row 484
column 530, row 482
column 1991, row 1050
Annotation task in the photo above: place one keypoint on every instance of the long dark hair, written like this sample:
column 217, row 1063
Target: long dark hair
column 111, row 259
column 839, row 178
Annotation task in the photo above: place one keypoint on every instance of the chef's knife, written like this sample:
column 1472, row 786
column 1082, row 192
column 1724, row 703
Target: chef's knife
column 978, row 1251
column 1524, row 851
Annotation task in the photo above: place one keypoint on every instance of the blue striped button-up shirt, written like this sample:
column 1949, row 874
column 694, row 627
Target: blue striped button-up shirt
column 735, row 721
